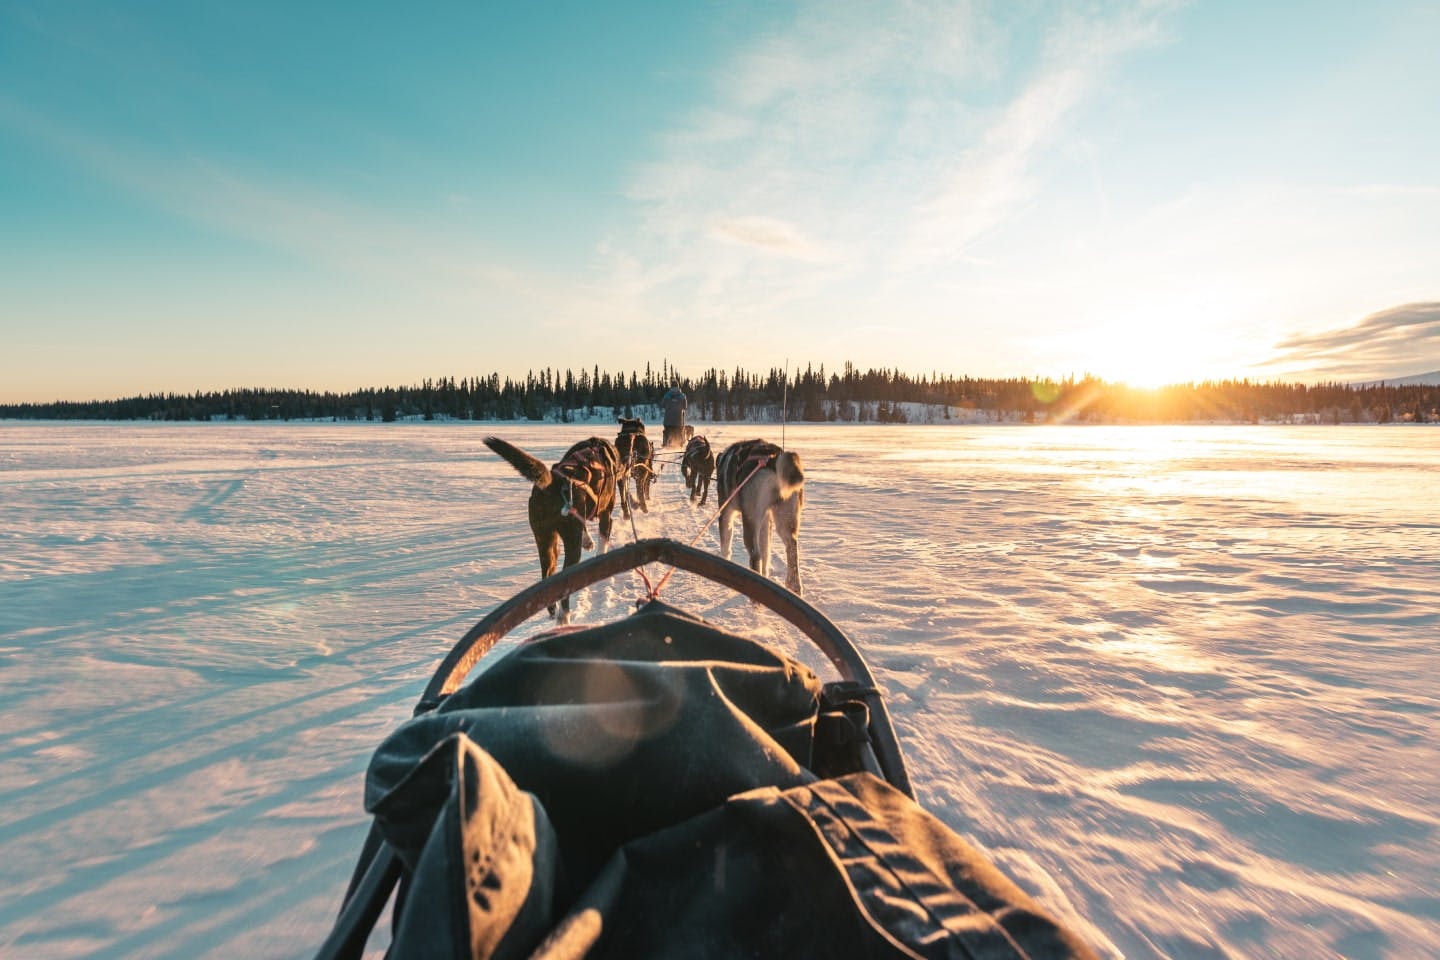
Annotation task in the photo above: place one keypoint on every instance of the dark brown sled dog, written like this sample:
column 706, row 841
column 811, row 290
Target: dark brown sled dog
column 771, row 482
column 697, row 466
column 637, row 462
column 578, row 489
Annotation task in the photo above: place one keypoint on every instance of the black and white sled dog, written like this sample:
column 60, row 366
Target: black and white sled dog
column 565, row 497
column 771, row 485
column 696, row 466
column 637, row 462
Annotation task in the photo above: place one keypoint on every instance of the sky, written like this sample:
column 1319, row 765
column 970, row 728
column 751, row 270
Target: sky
column 199, row 195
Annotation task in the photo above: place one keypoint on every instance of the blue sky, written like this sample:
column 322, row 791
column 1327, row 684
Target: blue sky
column 203, row 195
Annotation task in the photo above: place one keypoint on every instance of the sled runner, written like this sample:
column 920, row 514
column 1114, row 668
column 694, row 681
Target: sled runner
column 660, row 787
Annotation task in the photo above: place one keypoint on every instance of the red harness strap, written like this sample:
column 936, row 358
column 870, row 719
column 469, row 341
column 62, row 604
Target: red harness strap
column 756, row 460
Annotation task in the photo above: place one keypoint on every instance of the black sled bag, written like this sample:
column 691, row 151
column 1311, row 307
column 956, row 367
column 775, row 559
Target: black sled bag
column 647, row 789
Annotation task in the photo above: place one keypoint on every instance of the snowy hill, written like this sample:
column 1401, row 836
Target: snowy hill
column 1431, row 379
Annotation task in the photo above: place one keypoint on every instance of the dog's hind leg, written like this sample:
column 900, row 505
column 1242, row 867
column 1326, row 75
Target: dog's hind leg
column 605, row 525
column 727, row 530
column 548, row 545
column 757, row 540
column 622, row 493
column 571, row 538
column 787, row 523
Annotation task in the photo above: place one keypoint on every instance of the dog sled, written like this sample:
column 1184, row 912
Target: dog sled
column 660, row 787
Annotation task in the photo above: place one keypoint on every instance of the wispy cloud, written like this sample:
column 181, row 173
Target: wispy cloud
column 862, row 143
column 766, row 234
column 1397, row 342
column 993, row 180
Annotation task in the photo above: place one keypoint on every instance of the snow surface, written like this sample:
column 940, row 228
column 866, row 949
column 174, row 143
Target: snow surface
column 1179, row 682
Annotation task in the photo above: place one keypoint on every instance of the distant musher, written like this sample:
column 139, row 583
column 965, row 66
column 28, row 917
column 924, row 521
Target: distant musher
column 673, row 405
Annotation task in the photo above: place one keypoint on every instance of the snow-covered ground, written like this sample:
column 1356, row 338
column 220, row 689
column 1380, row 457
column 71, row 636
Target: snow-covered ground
column 1180, row 682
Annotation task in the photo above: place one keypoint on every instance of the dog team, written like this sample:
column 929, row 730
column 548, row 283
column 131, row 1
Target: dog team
column 755, row 480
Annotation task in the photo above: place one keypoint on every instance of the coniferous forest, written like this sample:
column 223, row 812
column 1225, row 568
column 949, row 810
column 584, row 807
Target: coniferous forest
column 811, row 394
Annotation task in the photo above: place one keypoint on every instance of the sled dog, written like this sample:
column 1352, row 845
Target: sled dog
column 696, row 466
column 771, row 485
column 565, row 497
column 637, row 462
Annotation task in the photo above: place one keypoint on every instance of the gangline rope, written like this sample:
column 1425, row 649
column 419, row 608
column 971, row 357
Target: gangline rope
column 653, row 590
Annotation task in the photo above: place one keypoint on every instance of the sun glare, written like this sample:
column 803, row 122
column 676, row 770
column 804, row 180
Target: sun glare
column 1157, row 349
column 1145, row 358
column 1150, row 375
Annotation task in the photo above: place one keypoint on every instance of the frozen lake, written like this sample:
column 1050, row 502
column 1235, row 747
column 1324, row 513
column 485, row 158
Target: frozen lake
column 1181, row 683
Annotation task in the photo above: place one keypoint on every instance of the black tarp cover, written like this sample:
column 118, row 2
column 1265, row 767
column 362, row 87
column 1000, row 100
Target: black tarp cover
column 643, row 789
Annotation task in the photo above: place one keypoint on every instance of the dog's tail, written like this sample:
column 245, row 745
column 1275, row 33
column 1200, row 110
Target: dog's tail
column 790, row 472
column 530, row 468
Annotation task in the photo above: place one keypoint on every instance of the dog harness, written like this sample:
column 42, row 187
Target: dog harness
column 583, row 468
column 742, row 460
column 634, row 448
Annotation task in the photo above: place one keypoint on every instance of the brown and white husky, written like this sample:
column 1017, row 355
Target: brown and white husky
column 771, row 485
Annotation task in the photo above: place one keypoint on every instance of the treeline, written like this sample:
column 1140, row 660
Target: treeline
column 804, row 395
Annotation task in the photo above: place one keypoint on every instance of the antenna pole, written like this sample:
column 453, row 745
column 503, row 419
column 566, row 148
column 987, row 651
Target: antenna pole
column 784, row 403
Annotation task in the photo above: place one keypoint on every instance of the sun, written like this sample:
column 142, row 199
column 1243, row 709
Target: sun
column 1136, row 358
column 1156, row 349
column 1150, row 369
